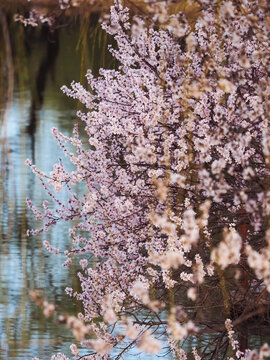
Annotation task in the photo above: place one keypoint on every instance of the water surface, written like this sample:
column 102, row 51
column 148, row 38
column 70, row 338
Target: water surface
column 35, row 63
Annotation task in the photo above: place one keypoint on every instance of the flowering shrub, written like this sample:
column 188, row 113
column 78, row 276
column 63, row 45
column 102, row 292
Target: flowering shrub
column 174, row 224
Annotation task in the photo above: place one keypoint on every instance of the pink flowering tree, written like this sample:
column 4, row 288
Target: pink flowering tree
column 173, row 227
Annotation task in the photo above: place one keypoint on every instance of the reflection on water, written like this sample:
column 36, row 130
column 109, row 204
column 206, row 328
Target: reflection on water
column 34, row 64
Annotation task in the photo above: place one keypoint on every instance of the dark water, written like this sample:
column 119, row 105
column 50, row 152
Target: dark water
column 34, row 63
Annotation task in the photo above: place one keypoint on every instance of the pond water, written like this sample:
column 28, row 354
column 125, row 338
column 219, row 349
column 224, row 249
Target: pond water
column 34, row 64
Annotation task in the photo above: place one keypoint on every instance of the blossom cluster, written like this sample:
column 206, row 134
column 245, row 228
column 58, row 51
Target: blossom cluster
column 174, row 216
column 34, row 19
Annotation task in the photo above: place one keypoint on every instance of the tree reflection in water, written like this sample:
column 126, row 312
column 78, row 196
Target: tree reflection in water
column 34, row 64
